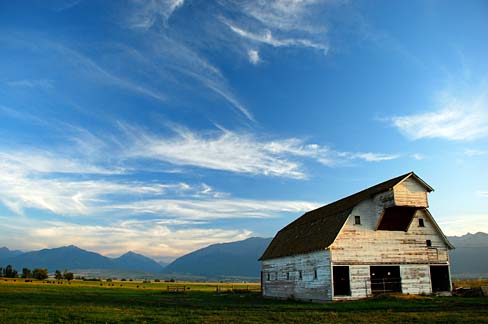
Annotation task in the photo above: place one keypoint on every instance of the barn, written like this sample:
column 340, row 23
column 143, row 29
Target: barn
column 380, row 240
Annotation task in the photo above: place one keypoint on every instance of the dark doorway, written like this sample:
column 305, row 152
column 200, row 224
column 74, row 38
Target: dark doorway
column 342, row 286
column 385, row 279
column 439, row 276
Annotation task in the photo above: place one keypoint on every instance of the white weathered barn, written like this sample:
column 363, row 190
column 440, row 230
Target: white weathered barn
column 381, row 239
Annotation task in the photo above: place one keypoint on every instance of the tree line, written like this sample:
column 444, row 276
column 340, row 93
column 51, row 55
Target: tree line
column 38, row 273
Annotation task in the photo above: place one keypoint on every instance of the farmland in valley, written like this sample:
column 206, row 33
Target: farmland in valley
column 118, row 302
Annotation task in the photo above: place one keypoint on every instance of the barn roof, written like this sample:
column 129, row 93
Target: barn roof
column 317, row 229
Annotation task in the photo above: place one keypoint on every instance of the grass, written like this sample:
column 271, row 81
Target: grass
column 88, row 302
column 473, row 283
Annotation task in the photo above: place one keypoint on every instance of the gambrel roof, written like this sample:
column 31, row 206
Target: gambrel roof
column 317, row 229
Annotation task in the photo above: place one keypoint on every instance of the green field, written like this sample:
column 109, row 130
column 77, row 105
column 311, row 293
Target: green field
column 88, row 302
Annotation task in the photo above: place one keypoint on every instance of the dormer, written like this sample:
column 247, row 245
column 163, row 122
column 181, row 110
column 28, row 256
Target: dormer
column 411, row 192
column 405, row 198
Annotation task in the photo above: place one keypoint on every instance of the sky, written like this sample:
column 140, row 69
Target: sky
column 164, row 126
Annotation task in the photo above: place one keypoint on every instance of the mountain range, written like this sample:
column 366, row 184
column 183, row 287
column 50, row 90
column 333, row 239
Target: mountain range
column 72, row 257
column 470, row 258
column 235, row 259
column 226, row 259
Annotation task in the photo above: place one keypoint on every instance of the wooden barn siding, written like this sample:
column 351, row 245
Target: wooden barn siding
column 415, row 279
column 307, row 288
column 410, row 193
column 362, row 244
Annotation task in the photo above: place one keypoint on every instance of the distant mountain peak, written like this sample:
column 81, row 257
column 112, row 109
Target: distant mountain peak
column 239, row 258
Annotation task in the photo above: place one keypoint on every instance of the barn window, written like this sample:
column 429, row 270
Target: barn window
column 315, row 276
column 357, row 220
column 276, row 275
column 268, row 276
column 300, row 276
column 287, row 276
column 421, row 222
column 428, row 243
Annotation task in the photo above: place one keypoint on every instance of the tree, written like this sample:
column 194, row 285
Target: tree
column 26, row 273
column 10, row 272
column 68, row 275
column 40, row 273
column 58, row 275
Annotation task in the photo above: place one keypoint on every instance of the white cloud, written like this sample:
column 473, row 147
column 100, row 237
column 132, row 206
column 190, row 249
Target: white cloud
column 286, row 15
column 53, row 183
column 253, row 56
column 456, row 120
column 283, row 23
column 418, row 156
column 239, row 152
column 215, row 208
column 266, row 37
column 79, row 182
column 462, row 224
column 227, row 151
column 152, row 238
column 145, row 13
column 372, row 157
column 473, row 152
column 46, row 162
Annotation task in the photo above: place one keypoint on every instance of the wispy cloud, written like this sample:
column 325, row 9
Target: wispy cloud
column 226, row 150
column 238, row 152
column 98, row 73
column 46, row 162
column 40, row 83
column 266, row 37
column 212, row 208
column 277, row 24
column 456, row 120
column 146, row 13
column 66, row 187
column 418, row 156
column 71, row 59
column 483, row 194
column 285, row 14
column 474, row 152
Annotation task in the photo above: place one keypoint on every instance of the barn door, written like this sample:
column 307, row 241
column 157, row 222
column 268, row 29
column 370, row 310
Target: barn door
column 439, row 276
column 385, row 279
column 342, row 285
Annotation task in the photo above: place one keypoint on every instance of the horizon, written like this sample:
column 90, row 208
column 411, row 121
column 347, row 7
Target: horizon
column 169, row 259
column 163, row 127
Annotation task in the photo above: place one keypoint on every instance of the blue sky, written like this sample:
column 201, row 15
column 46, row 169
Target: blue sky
column 165, row 126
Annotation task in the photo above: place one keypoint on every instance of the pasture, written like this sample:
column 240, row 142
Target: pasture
column 126, row 302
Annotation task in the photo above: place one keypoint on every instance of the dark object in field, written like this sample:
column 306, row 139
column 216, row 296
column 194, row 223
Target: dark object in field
column 468, row 292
